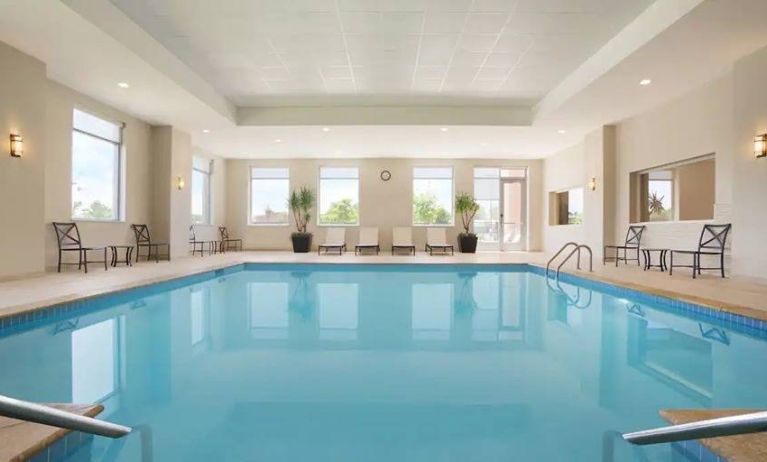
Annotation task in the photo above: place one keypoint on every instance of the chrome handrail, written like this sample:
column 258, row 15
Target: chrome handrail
column 754, row 422
column 561, row 249
column 37, row 413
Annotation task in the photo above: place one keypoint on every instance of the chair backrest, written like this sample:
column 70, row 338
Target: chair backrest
column 714, row 237
column 67, row 235
column 192, row 236
column 634, row 235
column 142, row 234
column 435, row 236
column 335, row 236
column 368, row 236
column 402, row 236
column 223, row 232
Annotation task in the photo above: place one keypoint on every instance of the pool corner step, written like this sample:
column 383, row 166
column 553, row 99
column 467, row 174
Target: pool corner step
column 20, row 440
column 739, row 448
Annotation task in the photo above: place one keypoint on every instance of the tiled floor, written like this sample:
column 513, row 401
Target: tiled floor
column 748, row 297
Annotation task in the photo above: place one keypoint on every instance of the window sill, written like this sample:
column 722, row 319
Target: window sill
column 93, row 220
column 339, row 225
column 566, row 224
column 268, row 225
column 451, row 225
column 673, row 222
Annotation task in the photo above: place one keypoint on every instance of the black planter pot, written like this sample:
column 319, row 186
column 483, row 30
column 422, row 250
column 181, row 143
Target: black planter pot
column 302, row 242
column 467, row 243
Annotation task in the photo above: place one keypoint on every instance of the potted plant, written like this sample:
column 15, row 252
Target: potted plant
column 468, row 208
column 300, row 203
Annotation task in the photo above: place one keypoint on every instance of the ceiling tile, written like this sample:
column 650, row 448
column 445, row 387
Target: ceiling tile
column 477, row 42
column 444, row 23
column 437, row 49
column 336, row 72
column 485, row 23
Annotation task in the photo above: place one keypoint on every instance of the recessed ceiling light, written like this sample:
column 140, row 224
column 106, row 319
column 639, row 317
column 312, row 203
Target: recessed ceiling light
column 325, row 129
column 645, row 82
column 205, row 130
column 561, row 132
column 278, row 140
column 483, row 143
column 123, row 84
column 444, row 129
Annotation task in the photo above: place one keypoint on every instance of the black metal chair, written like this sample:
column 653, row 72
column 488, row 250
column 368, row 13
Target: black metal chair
column 713, row 240
column 68, row 240
column 226, row 241
column 632, row 242
column 199, row 246
column 144, row 240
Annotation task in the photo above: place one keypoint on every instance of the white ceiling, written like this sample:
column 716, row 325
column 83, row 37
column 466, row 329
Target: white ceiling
column 384, row 52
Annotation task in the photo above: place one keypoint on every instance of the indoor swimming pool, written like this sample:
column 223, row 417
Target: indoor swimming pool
column 383, row 363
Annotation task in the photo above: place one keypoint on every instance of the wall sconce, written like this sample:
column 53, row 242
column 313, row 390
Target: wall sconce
column 760, row 146
column 17, row 145
column 593, row 183
column 180, row 182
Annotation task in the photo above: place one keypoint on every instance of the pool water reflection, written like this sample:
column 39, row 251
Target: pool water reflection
column 383, row 363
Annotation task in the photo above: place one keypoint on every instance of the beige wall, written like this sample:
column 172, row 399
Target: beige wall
column 22, row 186
column 694, row 198
column 696, row 124
column 749, row 185
column 382, row 204
column 137, row 173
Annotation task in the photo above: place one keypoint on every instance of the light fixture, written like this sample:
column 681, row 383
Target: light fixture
column 444, row 129
column 205, row 130
column 760, row 145
column 325, row 129
column 180, row 182
column 645, row 82
column 593, row 183
column 123, row 84
column 278, row 140
column 561, row 132
column 17, row 145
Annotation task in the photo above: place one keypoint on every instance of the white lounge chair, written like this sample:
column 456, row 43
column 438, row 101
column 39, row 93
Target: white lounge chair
column 335, row 238
column 402, row 238
column 435, row 239
column 368, row 241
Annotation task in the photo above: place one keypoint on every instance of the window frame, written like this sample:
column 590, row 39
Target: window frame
column 119, row 183
column 319, row 197
column 207, row 203
column 250, row 221
column 452, row 196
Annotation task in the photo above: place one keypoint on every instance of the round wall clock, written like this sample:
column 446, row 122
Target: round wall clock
column 385, row 175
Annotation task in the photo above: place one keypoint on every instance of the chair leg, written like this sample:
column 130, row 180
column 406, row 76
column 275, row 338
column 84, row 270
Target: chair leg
column 59, row 266
column 721, row 263
column 694, row 265
column 105, row 259
column 85, row 260
column 637, row 256
column 671, row 266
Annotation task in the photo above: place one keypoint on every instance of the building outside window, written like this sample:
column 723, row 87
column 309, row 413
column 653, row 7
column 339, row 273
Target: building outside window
column 269, row 191
column 201, row 172
column 339, row 196
column 96, row 160
column 432, row 196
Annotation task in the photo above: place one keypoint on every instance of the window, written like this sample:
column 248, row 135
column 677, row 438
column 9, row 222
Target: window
column 96, row 147
column 94, row 365
column 201, row 170
column 433, row 196
column 198, row 310
column 269, row 190
column 683, row 191
column 339, row 196
column 566, row 207
column 269, row 315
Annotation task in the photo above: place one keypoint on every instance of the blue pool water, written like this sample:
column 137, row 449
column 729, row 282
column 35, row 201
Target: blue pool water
column 381, row 363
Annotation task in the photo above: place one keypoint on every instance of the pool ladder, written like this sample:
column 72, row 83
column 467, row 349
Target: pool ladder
column 576, row 248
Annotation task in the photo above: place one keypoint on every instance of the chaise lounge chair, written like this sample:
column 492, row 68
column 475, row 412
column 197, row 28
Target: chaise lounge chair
column 199, row 246
column 68, row 239
column 228, row 243
column 632, row 242
column 713, row 240
column 435, row 239
column 402, row 238
column 144, row 240
column 335, row 238
column 368, row 241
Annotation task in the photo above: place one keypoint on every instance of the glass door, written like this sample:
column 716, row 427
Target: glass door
column 513, row 207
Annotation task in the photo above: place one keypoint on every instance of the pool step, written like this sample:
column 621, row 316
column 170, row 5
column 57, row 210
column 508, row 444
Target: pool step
column 20, row 440
column 738, row 448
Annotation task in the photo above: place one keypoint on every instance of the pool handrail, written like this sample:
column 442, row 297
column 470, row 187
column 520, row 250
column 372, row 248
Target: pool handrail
column 754, row 422
column 561, row 249
column 38, row 413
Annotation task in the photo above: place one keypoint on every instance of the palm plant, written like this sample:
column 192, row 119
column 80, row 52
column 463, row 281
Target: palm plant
column 655, row 204
column 467, row 207
column 300, row 203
